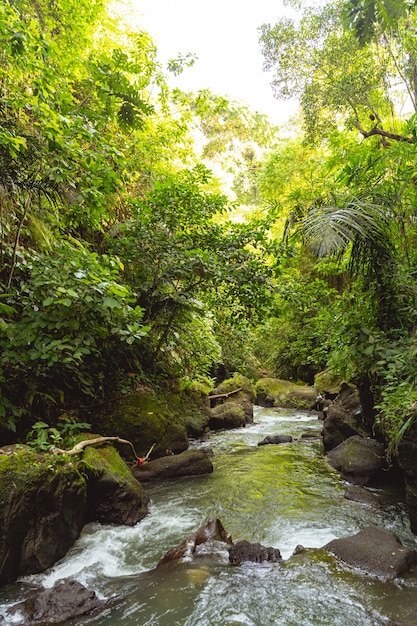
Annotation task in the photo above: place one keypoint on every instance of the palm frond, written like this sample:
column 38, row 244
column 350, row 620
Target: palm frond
column 330, row 229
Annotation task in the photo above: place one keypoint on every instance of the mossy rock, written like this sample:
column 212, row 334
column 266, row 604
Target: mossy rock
column 114, row 495
column 43, row 510
column 275, row 392
column 192, row 407
column 344, row 418
column 236, row 382
column 327, row 384
column 244, row 397
column 226, row 416
column 189, row 463
column 144, row 419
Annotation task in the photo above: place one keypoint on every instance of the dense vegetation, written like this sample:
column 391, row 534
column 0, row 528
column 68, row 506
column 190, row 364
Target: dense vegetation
column 125, row 261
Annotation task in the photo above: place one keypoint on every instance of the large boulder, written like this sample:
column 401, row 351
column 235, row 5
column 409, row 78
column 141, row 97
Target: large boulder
column 375, row 551
column 193, row 405
column 43, row 504
column 65, row 600
column 328, row 384
column 114, row 495
column 243, row 551
column 344, row 418
column 359, row 460
column 227, row 415
column 407, row 460
column 188, row 463
column 236, row 390
column 274, row 392
column 144, row 418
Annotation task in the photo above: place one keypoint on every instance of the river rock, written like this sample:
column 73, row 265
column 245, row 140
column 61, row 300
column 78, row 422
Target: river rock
column 343, row 418
column 328, row 384
column 188, row 463
column 359, row 460
column 193, row 405
column 275, row 439
column 407, row 460
column 361, row 495
column 213, row 530
column 226, row 416
column 243, row 551
column 310, row 436
column 145, row 419
column 236, row 390
column 66, row 600
column 42, row 512
column 272, row 392
column 114, row 495
column 375, row 551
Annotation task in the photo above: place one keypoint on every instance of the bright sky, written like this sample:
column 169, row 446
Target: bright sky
column 224, row 36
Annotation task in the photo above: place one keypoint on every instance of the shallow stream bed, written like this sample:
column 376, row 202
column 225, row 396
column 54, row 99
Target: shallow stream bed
column 279, row 495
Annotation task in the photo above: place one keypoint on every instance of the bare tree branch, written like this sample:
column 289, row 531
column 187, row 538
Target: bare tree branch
column 384, row 134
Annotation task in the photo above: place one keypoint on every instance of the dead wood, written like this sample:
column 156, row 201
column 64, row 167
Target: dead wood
column 225, row 395
column 79, row 447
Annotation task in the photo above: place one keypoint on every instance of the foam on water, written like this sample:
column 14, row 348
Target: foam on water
column 115, row 551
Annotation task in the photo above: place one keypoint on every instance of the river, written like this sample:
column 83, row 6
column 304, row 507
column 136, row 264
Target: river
column 279, row 495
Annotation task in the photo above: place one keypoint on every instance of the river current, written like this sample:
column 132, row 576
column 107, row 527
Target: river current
column 279, row 495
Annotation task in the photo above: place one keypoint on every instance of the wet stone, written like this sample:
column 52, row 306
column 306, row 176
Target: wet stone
column 243, row 551
column 66, row 600
column 375, row 551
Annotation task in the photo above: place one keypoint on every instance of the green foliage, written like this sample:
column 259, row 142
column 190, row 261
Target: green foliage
column 82, row 110
column 238, row 344
column 181, row 261
column 72, row 317
column 367, row 17
column 339, row 80
column 233, row 140
column 397, row 408
column 295, row 343
column 43, row 437
column 177, row 65
column 358, row 345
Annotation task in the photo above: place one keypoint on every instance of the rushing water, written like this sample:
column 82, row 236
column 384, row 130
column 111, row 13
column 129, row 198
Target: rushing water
column 278, row 495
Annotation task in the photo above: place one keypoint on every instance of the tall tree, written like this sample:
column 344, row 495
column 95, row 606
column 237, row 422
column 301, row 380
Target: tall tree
column 341, row 75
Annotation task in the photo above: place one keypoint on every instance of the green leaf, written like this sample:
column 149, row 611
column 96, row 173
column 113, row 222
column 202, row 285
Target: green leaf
column 112, row 303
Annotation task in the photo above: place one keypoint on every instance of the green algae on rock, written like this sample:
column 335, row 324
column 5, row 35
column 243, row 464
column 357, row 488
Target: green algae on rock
column 114, row 495
column 43, row 502
column 284, row 393
column 143, row 418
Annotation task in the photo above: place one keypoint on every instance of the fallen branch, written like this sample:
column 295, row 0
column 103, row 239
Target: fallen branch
column 225, row 395
column 148, row 454
column 79, row 447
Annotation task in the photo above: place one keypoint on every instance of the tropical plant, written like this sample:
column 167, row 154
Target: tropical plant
column 183, row 262
column 69, row 334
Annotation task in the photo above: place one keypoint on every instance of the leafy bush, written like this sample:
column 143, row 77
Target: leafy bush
column 183, row 261
column 42, row 436
column 295, row 343
column 70, row 331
